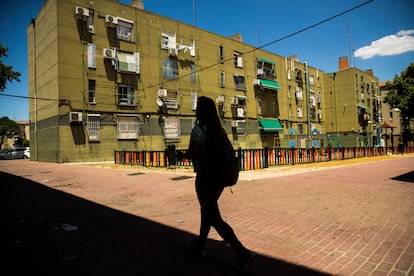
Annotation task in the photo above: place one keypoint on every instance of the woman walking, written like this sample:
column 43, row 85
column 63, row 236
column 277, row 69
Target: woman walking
column 208, row 188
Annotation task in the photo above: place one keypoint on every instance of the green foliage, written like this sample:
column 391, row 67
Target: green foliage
column 401, row 95
column 401, row 92
column 21, row 142
column 8, row 127
column 6, row 72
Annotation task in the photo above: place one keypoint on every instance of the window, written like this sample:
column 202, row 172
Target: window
column 128, row 62
column 168, row 40
column 298, row 76
column 193, row 100
column 311, row 79
column 265, row 69
column 241, row 127
column 312, row 111
column 170, row 101
column 221, row 54
column 290, row 110
column 91, row 29
column 170, row 69
column 126, row 95
column 193, row 74
column 222, row 79
column 238, row 60
column 124, row 29
column 91, row 91
column 171, row 128
column 91, row 55
column 312, row 98
column 94, row 127
column 239, row 82
column 299, row 111
column 300, row 127
column 299, row 94
column 127, row 127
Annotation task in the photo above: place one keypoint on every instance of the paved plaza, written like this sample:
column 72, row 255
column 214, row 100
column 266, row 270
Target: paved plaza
column 336, row 218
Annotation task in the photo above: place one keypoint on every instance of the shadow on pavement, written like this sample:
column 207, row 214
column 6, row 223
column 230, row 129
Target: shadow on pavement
column 407, row 177
column 49, row 232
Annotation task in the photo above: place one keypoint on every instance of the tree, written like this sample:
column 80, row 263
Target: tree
column 6, row 72
column 8, row 129
column 401, row 95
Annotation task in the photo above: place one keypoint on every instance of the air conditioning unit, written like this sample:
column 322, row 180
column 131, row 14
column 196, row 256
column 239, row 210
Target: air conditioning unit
column 234, row 101
column 110, row 19
column 220, row 99
column 91, row 29
column 81, row 11
column 234, row 123
column 75, row 117
column 162, row 93
column 109, row 53
column 173, row 51
column 256, row 82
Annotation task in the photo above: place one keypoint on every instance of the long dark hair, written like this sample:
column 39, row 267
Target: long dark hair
column 207, row 115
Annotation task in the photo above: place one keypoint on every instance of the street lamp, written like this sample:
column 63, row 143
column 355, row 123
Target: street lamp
column 401, row 144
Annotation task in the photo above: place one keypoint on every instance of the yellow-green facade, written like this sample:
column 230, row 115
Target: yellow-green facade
column 105, row 76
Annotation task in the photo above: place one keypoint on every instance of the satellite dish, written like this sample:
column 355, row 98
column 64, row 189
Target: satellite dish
column 160, row 102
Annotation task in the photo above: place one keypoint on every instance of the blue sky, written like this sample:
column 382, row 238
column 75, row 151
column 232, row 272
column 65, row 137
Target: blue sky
column 378, row 35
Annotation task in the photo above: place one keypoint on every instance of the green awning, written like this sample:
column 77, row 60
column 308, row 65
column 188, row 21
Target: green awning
column 268, row 125
column 266, row 60
column 128, row 62
column 269, row 84
column 362, row 106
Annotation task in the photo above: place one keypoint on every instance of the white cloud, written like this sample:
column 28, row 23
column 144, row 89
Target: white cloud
column 389, row 45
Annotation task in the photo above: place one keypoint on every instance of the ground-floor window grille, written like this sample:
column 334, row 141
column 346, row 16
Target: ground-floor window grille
column 94, row 127
column 127, row 127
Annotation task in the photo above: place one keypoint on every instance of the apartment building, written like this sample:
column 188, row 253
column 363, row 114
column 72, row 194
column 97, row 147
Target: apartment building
column 353, row 106
column 107, row 76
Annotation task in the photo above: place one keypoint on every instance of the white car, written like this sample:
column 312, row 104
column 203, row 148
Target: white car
column 27, row 152
column 17, row 153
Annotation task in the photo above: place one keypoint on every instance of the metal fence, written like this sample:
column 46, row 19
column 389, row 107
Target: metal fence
column 252, row 159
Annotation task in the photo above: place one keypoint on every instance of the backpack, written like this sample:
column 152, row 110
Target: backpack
column 222, row 161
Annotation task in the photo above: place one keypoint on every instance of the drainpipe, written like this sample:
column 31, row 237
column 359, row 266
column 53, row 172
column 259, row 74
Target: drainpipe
column 308, row 104
column 36, row 158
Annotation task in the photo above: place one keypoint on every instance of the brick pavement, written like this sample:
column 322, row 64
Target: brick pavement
column 345, row 220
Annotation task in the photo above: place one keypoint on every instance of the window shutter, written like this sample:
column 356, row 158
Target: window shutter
column 91, row 55
column 192, row 49
column 136, row 56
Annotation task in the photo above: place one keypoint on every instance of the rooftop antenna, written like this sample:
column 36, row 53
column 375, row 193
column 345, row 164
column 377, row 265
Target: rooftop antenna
column 194, row 13
column 258, row 35
column 350, row 55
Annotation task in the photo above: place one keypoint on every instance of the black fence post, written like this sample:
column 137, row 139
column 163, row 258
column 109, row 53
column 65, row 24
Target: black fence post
column 172, row 160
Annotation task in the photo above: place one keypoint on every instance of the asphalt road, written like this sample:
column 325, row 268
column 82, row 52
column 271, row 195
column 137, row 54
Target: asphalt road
column 82, row 219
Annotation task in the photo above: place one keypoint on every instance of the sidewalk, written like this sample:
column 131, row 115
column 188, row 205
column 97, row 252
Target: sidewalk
column 349, row 219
